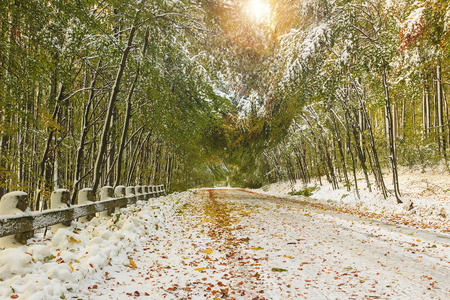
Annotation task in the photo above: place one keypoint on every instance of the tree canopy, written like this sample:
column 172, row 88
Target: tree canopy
column 233, row 92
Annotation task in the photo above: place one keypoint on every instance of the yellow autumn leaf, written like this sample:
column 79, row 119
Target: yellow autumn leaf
column 74, row 240
column 207, row 220
column 71, row 267
column 199, row 269
column 257, row 248
column 287, row 256
column 207, row 251
column 132, row 264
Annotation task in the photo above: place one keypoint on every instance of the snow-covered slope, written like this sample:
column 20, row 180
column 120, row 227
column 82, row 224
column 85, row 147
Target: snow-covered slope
column 428, row 191
column 52, row 267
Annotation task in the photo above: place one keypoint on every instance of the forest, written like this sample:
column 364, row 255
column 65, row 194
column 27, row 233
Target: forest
column 202, row 93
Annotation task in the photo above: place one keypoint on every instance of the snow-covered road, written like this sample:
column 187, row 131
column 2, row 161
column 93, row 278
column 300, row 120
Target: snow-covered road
column 336, row 256
column 236, row 244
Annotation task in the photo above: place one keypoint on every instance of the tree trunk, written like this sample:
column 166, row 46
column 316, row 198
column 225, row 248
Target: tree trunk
column 377, row 171
column 349, row 140
column 169, row 181
column 334, row 182
column 128, row 115
column 134, row 159
column 42, row 164
column 112, row 100
column 426, row 115
column 84, row 132
column 300, row 165
column 393, row 154
column 357, row 145
column 339, row 141
column 440, row 112
column 319, row 161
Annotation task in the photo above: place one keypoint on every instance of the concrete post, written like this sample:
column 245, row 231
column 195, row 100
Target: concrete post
column 149, row 192
column 139, row 192
column 152, row 191
column 145, row 192
column 158, row 188
column 86, row 196
column 106, row 193
column 60, row 198
column 14, row 203
column 130, row 192
column 119, row 192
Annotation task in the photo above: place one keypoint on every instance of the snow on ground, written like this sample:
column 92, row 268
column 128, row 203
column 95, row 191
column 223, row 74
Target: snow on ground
column 56, row 266
column 428, row 190
column 229, row 244
column 317, row 255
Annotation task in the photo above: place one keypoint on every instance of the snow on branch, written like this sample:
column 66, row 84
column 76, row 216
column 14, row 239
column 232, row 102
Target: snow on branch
column 301, row 49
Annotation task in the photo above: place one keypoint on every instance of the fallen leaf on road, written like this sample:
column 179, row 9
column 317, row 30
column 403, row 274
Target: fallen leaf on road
column 132, row 264
column 278, row 270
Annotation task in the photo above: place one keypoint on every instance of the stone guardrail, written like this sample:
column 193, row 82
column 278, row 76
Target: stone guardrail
column 16, row 219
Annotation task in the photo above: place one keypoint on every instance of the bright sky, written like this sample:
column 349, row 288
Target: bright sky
column 257, row 10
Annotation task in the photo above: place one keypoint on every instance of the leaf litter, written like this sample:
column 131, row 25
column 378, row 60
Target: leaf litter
column 272, row 251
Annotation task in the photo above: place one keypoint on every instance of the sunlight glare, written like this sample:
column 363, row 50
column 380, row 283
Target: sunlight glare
column 257, row 10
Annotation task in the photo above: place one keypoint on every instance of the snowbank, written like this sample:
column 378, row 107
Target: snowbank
column 50, row 267
column 428, row 191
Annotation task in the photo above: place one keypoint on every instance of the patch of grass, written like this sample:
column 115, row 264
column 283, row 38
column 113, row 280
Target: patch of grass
column 117, row 217
column 306, row 191
column 344, row 196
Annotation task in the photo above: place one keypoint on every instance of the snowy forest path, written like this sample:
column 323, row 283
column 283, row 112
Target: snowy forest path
column 339, row 255
column 236, row 244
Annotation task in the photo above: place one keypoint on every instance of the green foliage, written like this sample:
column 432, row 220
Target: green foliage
column 306, row 191
column 220, row 97
column 279, row 270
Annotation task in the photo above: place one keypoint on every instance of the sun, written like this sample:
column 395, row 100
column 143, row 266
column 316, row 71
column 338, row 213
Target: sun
column 257, row 10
